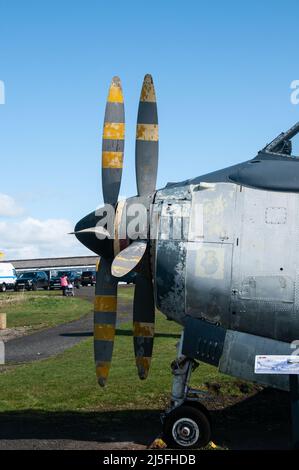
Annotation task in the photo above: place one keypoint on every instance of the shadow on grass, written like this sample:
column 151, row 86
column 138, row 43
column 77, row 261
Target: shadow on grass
column 82, row 334
column 258, row 422
column 118, row 426
column 122, row 333
column 262, row 421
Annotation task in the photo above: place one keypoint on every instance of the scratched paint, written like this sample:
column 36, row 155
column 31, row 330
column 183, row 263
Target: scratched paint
column 148, row 91
column 128, row 259
column 175, row 194
column 170, row 278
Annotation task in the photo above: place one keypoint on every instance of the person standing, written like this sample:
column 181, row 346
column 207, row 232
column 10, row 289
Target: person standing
column 64, row 283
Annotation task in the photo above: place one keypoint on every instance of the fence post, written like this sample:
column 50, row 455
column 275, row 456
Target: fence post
column 2, row 321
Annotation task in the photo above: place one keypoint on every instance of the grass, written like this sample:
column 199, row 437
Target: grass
column 41, row 309
column 67, row 382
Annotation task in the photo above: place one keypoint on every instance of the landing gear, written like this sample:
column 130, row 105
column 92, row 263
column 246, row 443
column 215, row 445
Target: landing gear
column 186, row 424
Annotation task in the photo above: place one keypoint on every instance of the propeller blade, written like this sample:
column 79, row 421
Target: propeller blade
column 128, row 258
column 143, row 324
column 105, row 305
column 146, row 152
column 100, row 231
column 113, row 142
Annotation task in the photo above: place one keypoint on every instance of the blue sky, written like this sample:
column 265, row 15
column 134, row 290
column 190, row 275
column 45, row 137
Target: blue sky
column 222, row 72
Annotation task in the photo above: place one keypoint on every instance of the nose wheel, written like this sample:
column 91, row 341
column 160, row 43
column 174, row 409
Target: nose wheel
column 186, row 424
column 186, row 427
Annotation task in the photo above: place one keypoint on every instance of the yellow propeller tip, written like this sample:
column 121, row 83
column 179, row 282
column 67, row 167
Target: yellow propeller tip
column 116, row 81
column 148, row 78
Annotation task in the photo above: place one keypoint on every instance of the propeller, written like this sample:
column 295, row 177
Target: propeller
column 113, row 142
column 146, row 161
column 120, row 255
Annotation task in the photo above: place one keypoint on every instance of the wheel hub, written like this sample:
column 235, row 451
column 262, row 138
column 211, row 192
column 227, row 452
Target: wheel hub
column 185, row 432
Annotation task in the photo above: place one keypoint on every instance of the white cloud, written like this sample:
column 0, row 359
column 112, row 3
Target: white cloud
column 28, row 237
column 34, row 238
column 9, row 207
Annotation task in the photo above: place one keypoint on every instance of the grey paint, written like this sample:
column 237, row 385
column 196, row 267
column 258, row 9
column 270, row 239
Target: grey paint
column 265, row 264
column 111, row 178
column 113, row 145
column 114, row 112
column 146, row 166
column 209, row 252
column 103, row 350
column 147, row 112
column 266, row 171
column 172, row 209
column 203, row 340
column 275, row 174
column 239, row 269
column 239, row 354
column 170, row 278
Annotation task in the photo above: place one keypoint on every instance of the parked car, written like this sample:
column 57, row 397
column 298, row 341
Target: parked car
column 32, row 281
column 72, row 276
column 75, row 278
column 88, row 277
column 8, row 276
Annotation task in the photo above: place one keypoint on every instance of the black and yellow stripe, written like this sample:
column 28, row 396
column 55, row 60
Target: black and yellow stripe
column 143, row 324
column 113, row 142
column 147, row 138
column 128, row 258
column 105, row 306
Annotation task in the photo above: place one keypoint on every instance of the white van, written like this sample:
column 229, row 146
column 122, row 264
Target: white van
column 8, row 276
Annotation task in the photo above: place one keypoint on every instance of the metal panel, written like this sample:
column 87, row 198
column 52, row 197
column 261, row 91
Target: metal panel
column 268, row 288
column 170, row 278
column 272, row 174
column 264, row 264
column 209, row 252
column 239, row 353
column 172, row 210
column 203, row 341
column 208, row 281
column 213, row 210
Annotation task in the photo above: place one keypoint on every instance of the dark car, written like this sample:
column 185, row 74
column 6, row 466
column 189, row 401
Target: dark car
column 32, row 281
column 88, row 277
column 75, row 278
column 72, row 276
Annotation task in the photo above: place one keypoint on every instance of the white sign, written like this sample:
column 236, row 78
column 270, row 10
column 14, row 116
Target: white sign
column 276, row 365
column 2, row 352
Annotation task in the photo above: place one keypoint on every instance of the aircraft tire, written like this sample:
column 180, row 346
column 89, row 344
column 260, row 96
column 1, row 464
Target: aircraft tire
column 187, row 427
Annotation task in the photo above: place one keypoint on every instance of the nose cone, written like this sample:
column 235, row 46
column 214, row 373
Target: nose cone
column 89, row 232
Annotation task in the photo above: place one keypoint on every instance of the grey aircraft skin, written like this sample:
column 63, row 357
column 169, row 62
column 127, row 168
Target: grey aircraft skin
column 218, row 254
column 233, row 276
column 225, row 260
